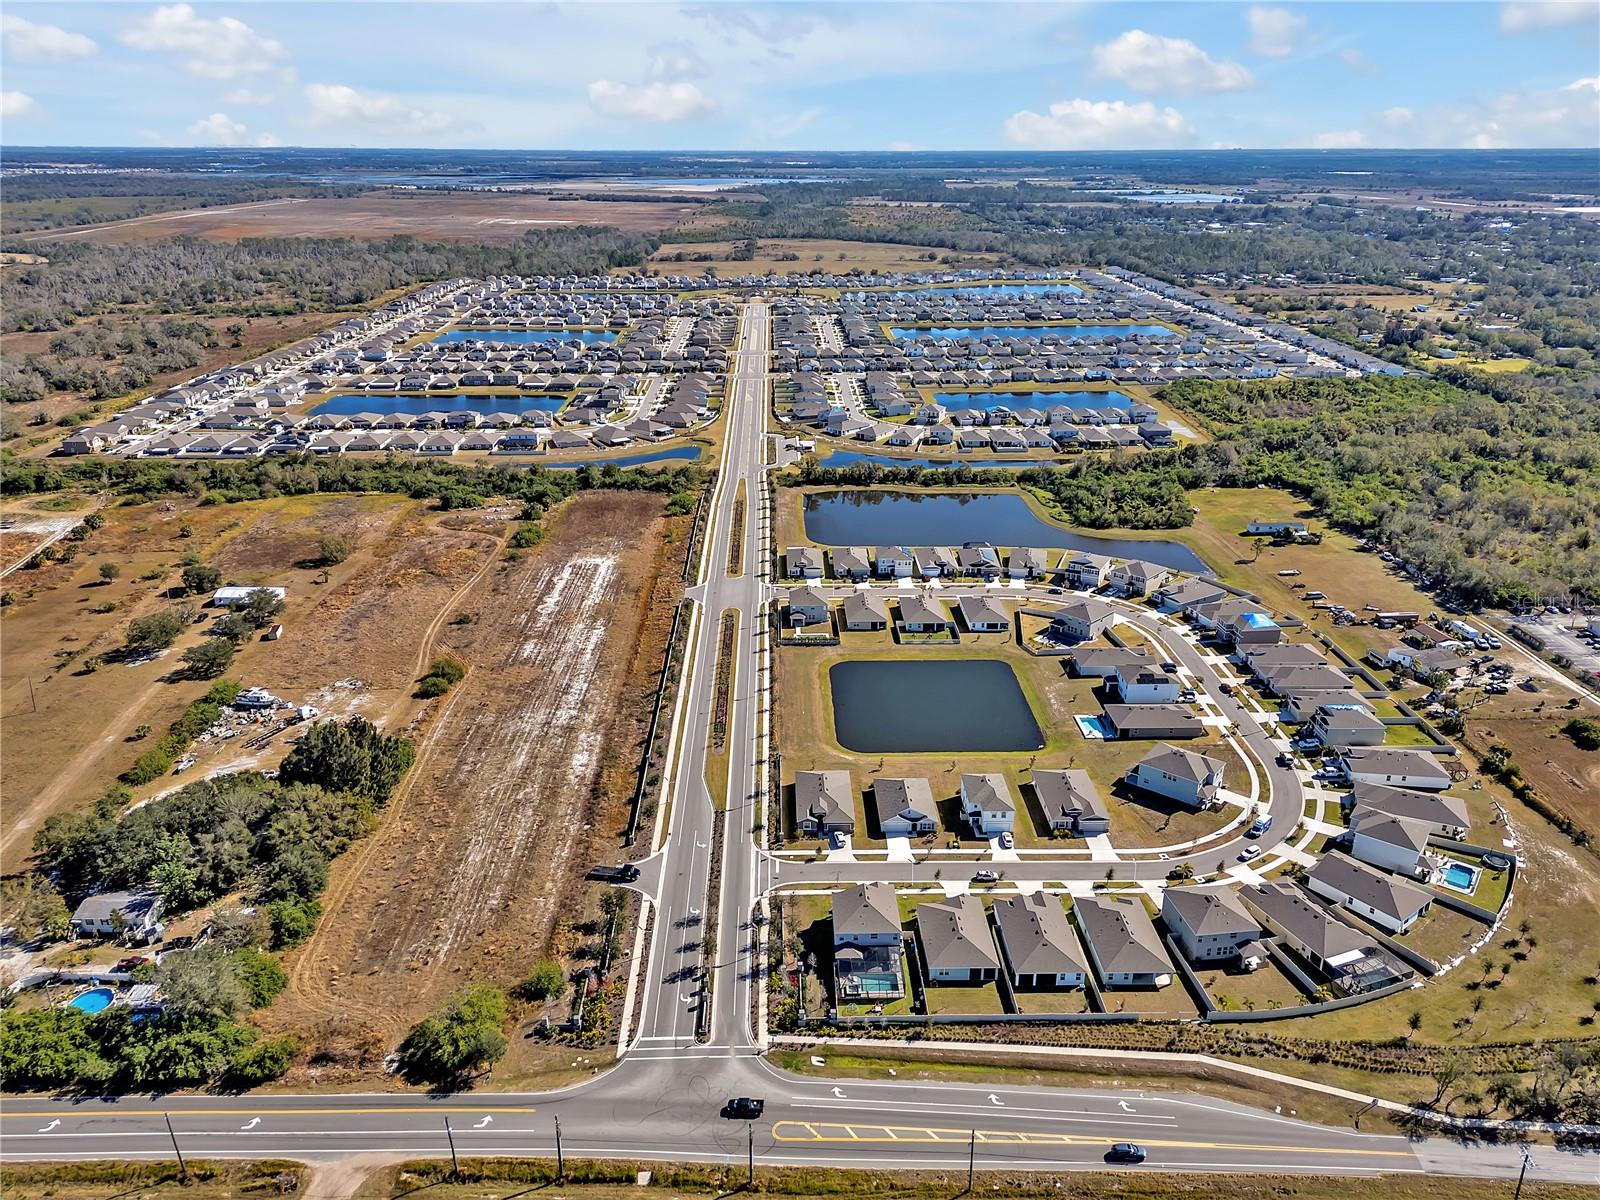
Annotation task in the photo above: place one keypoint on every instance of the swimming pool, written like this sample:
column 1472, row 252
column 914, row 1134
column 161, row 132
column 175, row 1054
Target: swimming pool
column 1460, row 877
column 93, row 1001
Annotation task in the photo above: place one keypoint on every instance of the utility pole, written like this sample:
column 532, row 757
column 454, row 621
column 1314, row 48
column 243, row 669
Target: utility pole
column 972, row 1158
column 183, row 1168
column 750, row 1176
column 1527, row 1158
column 561, row 1162
column 455, row 1164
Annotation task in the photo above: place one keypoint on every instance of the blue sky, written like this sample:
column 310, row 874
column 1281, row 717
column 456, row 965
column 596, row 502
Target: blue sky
column 868, row 76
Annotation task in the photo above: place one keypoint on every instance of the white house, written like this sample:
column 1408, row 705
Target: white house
column 1393, row 843
column 895, row 562
column 1146, row 685
column 1037, row 942
column 1122, row 942
column 134, row 914
column 904, row 807
column 803, row 562
column 1082, row 620
column 1415, row 769
column 1210, row 925
column 1186, row 776
column 1386, row 901
column 807, row 606
column 987, row 804
column 238, row 597
column 953, row 936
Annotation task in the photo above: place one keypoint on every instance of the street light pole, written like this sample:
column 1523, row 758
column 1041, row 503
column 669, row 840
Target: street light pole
column 183, row 1168
column 455, row 1165
column 972, row 1158
column 750, row 1177
column 1527, row 1158
column 561, row 1162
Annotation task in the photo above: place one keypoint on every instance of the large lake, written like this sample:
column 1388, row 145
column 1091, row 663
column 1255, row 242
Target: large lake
column 992, row 400
column 676, row 454
column 908, row 706
column 1172, row 196
column 865, row 518
column 524, row 337
column 387, row 402
column 1077, row 333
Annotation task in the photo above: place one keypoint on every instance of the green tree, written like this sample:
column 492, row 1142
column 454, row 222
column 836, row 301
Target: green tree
column 50, row 1048
column 292, row 922
column 263, row 1062
column 261, row 607
column 201, row 984
column 158, row 630
column 235, row 332
column 209, row 658
column 261, row 975
column 463, row 1037
column 333, row 549
column 352, row 756
column 109, row 572
column 198, row 578
column 545, row 981
column 233, row 628
column 34, row 908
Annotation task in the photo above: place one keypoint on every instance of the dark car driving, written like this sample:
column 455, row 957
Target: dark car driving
column 743, row 1108
column 1125, row 1152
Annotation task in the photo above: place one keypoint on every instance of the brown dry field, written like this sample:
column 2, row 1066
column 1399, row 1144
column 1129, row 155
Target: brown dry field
column 814, row 255
column 366, row 621
column 498, row 218
column 1565, row 775
column 522, row 780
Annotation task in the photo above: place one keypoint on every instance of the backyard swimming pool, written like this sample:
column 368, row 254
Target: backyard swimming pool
column 93, row 1001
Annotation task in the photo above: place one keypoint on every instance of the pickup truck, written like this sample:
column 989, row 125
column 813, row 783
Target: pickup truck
column 626, row 873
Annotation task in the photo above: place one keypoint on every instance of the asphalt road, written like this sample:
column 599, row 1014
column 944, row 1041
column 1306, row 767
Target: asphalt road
column 663, row 1101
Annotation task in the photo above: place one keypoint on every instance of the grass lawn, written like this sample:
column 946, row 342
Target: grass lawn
column 1442, row 934
column 953, row 999
column 1053, row 1000
column 1236, row 991
column 1171, row 1002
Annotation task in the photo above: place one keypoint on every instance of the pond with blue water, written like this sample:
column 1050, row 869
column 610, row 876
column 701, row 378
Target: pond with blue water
column 992, row 400
column 1076, row 333
column 675, row 454
column 445, row 402
column 528, row 337
column 906, row 706
column 1172, row 196
column 858, row 517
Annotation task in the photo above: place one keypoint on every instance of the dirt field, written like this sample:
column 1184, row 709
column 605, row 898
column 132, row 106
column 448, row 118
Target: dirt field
column 820, row 255
column 498, row 218
column 1565, row 775
column 522, row 779
column 365, row 622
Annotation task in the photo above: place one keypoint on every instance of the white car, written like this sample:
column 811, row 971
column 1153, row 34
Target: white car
column 1250, row 853
column 1007, row 842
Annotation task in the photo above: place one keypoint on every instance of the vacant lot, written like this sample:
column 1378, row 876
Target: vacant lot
column 1531, row 729
column 499, row 218
column 522, row 777
column 800, row 256
column 352, row 632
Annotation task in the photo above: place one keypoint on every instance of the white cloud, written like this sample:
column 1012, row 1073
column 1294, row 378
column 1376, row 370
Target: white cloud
column 670, row 61
column 783, row 126
column 1533, row 16
column 1274, row 32
column 658, row 101
column 222, row 48
column 27, row 42
column 18, row 104
column 1359, row 62
column 1340, row 139
column 1147, row 62
column 246, row 96
column 902, row 147
column 1099, row 125
column 1566, row 116
column 219, row 129
column 339, row 104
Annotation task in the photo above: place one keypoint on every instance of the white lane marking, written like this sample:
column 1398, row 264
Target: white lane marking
column 251, row 1123
column 993, row 1099
column 1125, row 1106
column 484, row 1124
column 838, row 1094
column 50, row 1126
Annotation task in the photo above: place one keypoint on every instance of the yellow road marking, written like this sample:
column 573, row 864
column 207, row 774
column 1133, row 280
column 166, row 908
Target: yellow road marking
column 266, row 1112
column 822, row 1131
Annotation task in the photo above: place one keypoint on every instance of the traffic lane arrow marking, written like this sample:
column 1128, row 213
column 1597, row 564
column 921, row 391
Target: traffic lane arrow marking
column 484, row 1124
column 838, row 1094
column 1125, row 1106
column 993, row 1099
column 251, row 1123
column 50, row 1126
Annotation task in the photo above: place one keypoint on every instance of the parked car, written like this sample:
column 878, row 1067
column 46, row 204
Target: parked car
column 133, row 961
column 1169, row 667
column 985, row 877
column 1007, row 842
column 1250, row 853
column 1126, row 1152
column 743, row 1108
column 1226, row 689
column 1285, row 759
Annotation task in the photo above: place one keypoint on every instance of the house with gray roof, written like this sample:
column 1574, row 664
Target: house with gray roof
column 1102, row 662
column 1346, row 725
column 1393, row 843
column 1210, row 925
column 851, row 562
column 1414, row 769
column 1352, row 962
column 806, row 606
column 954, row 940
column 868, row 951
column 1122, row 942
column 132, row 914
column 1186, row 776
column 1153, row 721
column 803, row 562
column 1445, row 816
column 863, row 612
column 918, row 614
column 1025, row 562
column 1386, row 900
column 904, row 807
column 987, row 804
column 1071, row 802
column 1037, row 942
column 1136, row 579
column 1082, row 620
column 1189, row 594
column 824, row 802
column 980, row 614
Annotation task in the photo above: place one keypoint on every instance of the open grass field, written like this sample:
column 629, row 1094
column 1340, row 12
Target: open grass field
column 405, row 565
column 1565, row 775
column 810, row 255
column 494, row 217
column 521, row 782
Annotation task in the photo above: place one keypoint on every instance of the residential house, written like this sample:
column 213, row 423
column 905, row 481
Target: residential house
column 851, row 562
column 1262, row 661
column 824, row 802
column 806, row 606
column 1136, row 578
column 978, row 560
column 1415, row 769
column 1026, row 562
column 1102, row 662
column 1145, row 684
column 1238, row 622
column 1210, row 925
column 954, row 941
column 983, row 615
column 803, row 562
column 1352, row 962
column 1071, row 802
column 918, row 614
column 987, row 804
column 1388, row 902
column 1189, row 595
column 1393, row 843
column 862, row 611
column 1258, row 527
column 895, row 562
column 134, row 915
column 1341, row 725
column 1085, row 571
column 867, row 944
column 1443, row 816
column 1122, row 942
column 1037, row 942
column 1082, row 620
column 1153, row 721
column 1185, row 776
column 904, row 807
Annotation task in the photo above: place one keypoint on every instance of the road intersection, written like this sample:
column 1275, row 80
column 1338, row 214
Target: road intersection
column 692, row 1037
